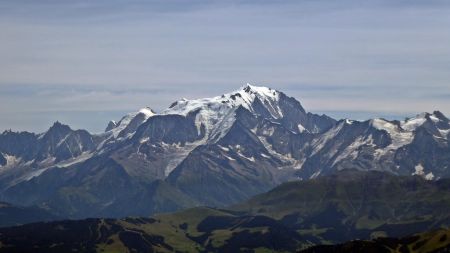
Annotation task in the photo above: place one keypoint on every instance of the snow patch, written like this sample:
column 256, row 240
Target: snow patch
column 429, row 176
column 399, row 136
column 434, row 118
column 48, row 160
column 33, row 174
column 444, row 133
column 229, row 158
column 81, row 158
column 224, row 148
column 144, row 140
column 316, row 174
column 147, row 112
column 252, row 159
column 266, row 156
column 11, row 161
column 419, row 170
column 301, row 128
column 268, row 131
column 62, row 140
column 287, row 158
column 414, row 123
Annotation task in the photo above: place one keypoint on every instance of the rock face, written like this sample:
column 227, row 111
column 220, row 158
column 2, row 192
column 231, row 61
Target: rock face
column 3, row 160
column 111, row 125
column 212, row 151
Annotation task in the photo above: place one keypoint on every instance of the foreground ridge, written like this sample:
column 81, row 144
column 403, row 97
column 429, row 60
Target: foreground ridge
column 427, row 242
column 294, row 216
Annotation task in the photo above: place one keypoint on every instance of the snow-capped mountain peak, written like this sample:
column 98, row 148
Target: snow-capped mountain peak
column 436, row 118
column 439, row 116
column 402, row 133
column 244, row 96
column 130, row 122
column 219, row 112
column 260, row 91
column 111, row 124
column 413, row 123
column 147, row 111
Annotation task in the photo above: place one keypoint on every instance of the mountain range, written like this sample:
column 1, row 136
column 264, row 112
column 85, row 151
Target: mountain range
column 213, row 151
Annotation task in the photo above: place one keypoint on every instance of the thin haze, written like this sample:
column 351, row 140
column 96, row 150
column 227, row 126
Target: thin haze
column 86, row 62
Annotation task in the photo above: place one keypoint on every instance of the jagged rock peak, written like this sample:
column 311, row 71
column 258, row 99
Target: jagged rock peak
column 58, row 125
column 111, row 125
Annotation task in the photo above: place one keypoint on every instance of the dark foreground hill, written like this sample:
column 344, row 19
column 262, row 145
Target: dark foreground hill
column 294, row 216
column 429, row 242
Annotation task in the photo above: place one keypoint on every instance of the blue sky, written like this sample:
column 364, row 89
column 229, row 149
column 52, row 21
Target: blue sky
column 85, row 62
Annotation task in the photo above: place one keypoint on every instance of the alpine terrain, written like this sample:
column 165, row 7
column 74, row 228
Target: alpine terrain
column 214, row 151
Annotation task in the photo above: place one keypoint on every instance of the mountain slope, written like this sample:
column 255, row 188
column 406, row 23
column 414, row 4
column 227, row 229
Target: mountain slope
column 353, row 204
column 223, row 233
column 13, row 215
column 197, row 230
column 293, row 216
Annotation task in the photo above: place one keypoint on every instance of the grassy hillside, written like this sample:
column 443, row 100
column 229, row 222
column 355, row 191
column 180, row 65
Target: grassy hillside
column 428, row 242
column 294, row 216
column 193, row 230
column 351, row 205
